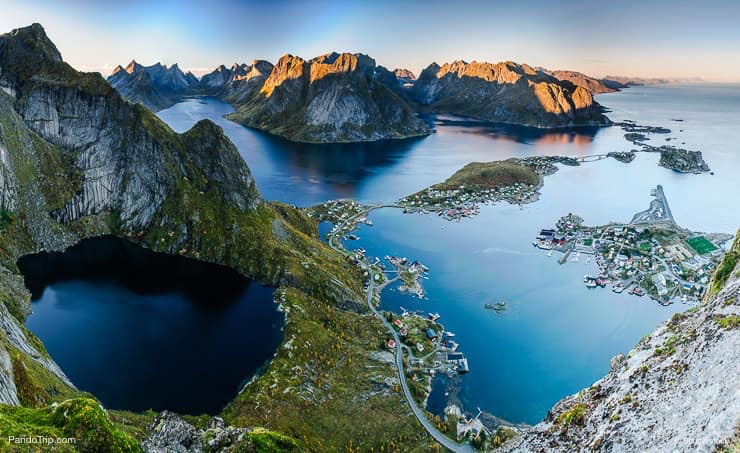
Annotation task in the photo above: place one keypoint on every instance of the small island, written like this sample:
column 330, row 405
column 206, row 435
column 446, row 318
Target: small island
column 671, row 157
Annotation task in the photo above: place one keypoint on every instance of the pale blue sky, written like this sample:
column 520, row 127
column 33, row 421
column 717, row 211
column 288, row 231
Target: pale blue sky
column 638, row 38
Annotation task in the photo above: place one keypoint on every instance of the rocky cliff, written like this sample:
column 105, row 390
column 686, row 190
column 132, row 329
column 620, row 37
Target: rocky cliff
column 404, row 76
column 508, row 93
column 331, row 98
column 675, row 391
column 593, row 85
column 246, row 80
column 156, row 86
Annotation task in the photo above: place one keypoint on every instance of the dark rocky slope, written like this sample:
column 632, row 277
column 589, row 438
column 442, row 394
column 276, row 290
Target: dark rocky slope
column 508, row 93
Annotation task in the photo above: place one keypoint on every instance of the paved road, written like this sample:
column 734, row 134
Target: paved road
column 438, row 435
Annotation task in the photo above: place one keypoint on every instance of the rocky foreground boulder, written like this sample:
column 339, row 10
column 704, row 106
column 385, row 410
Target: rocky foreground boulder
column 171, row 434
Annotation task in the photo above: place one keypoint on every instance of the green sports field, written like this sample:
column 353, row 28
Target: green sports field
column 701, row 245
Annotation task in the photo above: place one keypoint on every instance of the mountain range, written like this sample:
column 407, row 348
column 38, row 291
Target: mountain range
column 343, row 97
column 156, row 86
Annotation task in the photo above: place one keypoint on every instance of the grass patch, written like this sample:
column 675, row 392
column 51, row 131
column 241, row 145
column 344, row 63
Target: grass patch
column 701, row 245
column 669, row 348
column 491, row 175
column 81, row 418
column 728, row 322
column 576, row 415
column 502, row 435
column 725, row 268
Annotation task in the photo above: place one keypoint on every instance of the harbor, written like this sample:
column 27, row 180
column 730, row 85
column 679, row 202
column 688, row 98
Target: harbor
column 651, row 255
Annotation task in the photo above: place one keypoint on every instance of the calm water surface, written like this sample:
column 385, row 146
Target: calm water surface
column 141, row 330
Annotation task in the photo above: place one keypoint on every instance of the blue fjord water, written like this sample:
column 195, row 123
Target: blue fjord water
column 557, row 336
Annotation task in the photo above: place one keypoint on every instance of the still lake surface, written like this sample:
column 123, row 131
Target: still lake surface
column 143, row 330
column 556, row 337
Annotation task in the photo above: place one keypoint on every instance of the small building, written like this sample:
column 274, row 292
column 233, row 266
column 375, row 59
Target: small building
column 431, row 334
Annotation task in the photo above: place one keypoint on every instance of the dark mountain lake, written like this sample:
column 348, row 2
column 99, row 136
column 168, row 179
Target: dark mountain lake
column 143, row 330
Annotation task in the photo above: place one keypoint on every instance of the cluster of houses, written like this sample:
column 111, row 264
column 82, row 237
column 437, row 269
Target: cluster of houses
column 658, row 262
column 339, row 212
column 461, row 202
column 438, row 342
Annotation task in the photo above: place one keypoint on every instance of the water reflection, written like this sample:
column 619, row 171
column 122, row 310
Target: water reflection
column 580, row 136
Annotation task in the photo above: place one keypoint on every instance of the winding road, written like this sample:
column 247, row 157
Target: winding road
column 438, row 435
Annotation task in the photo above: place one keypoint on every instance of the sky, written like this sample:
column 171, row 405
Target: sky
column 646, row 38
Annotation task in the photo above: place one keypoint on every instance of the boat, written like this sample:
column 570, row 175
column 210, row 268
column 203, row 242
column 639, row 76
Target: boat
column 434, row 316
column 462, row 368
column 353, row 237
column 544, row 245
column 549, row 253
column 591, row 284
column 498, row 307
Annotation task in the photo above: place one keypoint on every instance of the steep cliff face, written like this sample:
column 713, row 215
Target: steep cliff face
column 508, row 93
column 245, row 81
column 675, row 391
column 331, row 98
column 129, row 160
column 157, row 86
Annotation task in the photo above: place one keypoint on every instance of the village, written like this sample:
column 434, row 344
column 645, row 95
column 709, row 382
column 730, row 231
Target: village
column 431, row 349
column 651, row 255
column 427, row 348
column 459, row 201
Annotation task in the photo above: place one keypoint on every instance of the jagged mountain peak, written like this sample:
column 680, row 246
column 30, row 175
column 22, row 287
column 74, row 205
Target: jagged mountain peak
column 132, row 67
column 403, row 73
